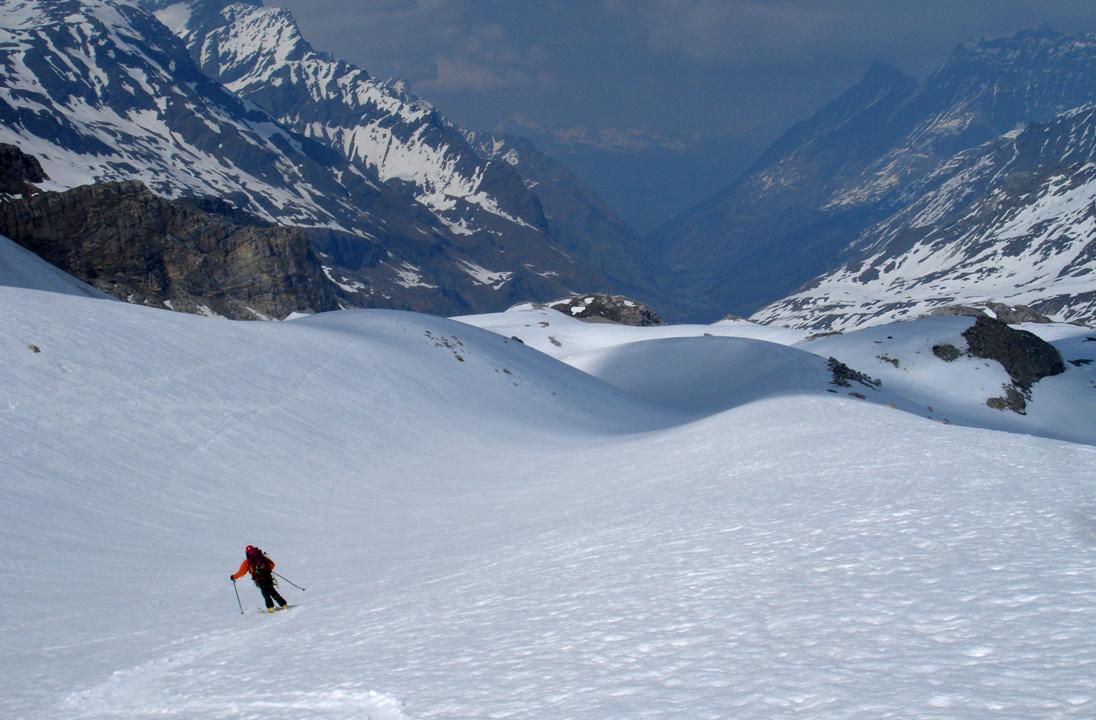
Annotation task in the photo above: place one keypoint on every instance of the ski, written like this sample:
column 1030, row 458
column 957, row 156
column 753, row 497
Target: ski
column 264, row 611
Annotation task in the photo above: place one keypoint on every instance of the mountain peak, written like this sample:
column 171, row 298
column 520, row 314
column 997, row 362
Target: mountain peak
column 881, row 73
column 1023, row 45
column 196, row 5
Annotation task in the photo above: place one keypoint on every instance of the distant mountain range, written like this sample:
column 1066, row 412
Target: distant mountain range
column 975, row 185
column 404, row 208
column 1013, row 220
column 851, row 185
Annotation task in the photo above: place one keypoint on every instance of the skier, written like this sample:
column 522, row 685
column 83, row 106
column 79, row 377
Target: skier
column 260, row 566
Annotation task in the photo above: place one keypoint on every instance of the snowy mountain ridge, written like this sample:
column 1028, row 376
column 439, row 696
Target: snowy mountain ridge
column 103, row 91
column 259, row 53
column 798, row 213
column 1010, row 221
column 143, row 112
column 998, row 84
column 505, row 203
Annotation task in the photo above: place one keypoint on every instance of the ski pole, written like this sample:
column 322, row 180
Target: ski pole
column 238, row 597
column 283, row 577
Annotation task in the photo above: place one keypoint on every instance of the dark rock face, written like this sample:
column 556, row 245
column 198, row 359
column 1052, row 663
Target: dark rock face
column 845, row 376
column 18, row 171
column 124, row 240
column 946, row 352
column 608, row 308
column 1026, row 358
column 1013, row 400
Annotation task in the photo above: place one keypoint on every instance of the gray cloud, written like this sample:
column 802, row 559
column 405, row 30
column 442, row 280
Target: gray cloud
column 456, row 74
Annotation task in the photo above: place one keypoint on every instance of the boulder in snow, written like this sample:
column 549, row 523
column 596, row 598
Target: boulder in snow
column 600, row 307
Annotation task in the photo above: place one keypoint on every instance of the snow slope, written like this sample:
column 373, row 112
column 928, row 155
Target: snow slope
column 900, row 354
column 707, row 368
column 487, row 532
column 21, row 268
column 710, row 374
column 561, row 336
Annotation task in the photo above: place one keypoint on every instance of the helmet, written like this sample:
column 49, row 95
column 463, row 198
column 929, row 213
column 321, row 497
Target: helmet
column 249, row 549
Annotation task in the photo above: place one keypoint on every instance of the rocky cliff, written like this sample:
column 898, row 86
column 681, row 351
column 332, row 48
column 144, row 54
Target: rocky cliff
column 18, row 171
column 126, row 241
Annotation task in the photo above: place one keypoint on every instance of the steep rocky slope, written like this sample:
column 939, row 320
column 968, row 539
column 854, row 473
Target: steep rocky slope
column 1012, row 221
column 578, row 219
column 489, row 193
column 19, row 172
column 859, row 160
column 122, row 239
column 103, row 91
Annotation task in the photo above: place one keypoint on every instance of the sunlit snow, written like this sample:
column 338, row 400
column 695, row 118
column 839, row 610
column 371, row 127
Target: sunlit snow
column 487, row 532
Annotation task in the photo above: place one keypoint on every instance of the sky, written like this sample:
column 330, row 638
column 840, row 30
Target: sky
column 691, row 91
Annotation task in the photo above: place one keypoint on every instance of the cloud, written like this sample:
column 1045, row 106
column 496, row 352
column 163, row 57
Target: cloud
column 740, row 32
column 458, row 74
column 613, row 139
column 758, row 35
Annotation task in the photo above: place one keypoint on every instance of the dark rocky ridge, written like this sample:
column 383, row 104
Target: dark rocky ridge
column 126, row 241
column 844, row 376
column 598, row 307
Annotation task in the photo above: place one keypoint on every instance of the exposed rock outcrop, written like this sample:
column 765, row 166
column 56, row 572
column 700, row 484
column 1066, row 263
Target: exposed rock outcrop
column 844, row 376
column 1026, row 357
column 999, row 311
column 126, row 241
column 946, row 352
column 18, row 171
column 599, row 307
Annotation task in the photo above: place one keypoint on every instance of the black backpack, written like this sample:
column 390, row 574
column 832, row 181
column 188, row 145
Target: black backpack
column 259, row 564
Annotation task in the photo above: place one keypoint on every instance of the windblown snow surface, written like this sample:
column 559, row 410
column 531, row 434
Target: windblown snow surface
column 487, row 532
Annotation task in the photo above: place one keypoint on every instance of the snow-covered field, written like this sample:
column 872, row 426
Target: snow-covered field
column 486, row 532
column 706, row 368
